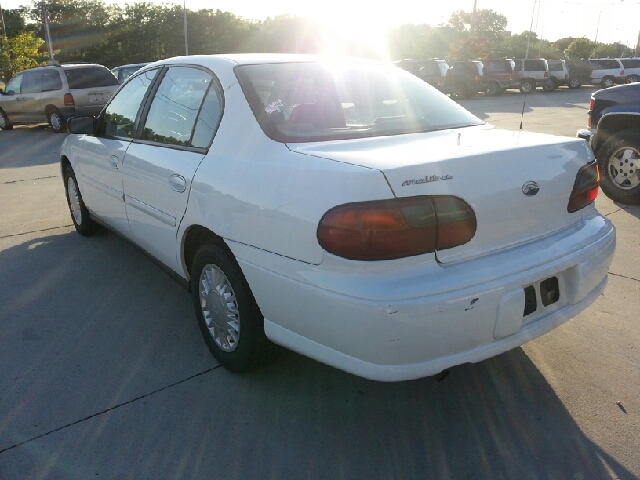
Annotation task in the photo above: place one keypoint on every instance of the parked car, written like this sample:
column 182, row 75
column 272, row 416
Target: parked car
column 497, row 75
column 55, row 93
column 431, row 71
column 464, row 78
column 347, row 211
column 558, row 72
column 613, row 131
column 579, row 73
column 530, row 74
column 606, row 72
column 631, row 69
column 125, row 71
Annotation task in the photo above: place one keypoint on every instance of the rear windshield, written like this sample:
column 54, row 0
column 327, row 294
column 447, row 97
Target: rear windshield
column 429, row 69
column 535, row 65
column 89, row 77
column 499, row 66
column 555, row 67
column 306, row 102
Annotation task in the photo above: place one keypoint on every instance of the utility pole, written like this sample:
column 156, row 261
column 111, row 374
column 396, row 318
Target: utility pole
column 473, row 16
column 598, row 27
column 4, row 29
column 186, row 43
column 45, row 19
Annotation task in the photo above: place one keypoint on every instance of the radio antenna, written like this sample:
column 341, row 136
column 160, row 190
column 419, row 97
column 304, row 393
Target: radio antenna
column 526, row 56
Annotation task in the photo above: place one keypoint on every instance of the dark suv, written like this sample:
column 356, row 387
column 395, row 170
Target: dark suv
column 431, row 71
column 497, row 75
column 614, row 135
column 579, row 73
column 464, row 79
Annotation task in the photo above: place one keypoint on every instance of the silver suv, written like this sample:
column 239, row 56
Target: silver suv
column 532, row 73
column 606, row 72
column 558, row 72
column 631, row 69
column 55, row 93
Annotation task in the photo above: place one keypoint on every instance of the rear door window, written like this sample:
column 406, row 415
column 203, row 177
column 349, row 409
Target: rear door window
column 51, row 81
column 90, row 77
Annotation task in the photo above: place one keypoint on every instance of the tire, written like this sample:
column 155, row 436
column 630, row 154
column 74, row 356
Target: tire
column 79, row 213
column 633, row 79
column 493, row 89
column 607, row 82
column 574, row 83
column 619, row 163
column 549, row 86
column 459, row 91
column 57, row 121
column 526, row 86
column 5, row 124
column 228, row 316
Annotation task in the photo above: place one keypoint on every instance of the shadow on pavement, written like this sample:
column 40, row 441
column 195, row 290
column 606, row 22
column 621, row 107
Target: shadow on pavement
column 24, row 146
column 88, row 324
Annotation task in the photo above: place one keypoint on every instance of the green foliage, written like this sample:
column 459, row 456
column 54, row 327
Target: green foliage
column 580, row 48
column 19, row 53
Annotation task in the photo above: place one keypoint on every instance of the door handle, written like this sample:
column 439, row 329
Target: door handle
column 177, row 183
column 113, row 161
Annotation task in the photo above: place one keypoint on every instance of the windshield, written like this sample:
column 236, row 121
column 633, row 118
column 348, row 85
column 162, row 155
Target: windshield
column 305, row 102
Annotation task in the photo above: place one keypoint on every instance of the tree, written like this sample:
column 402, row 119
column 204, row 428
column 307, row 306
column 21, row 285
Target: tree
column 19, row 53
column 580, row 48
column 482, row 40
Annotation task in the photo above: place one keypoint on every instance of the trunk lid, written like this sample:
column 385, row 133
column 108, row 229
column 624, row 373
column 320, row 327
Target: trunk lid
column 518, row 183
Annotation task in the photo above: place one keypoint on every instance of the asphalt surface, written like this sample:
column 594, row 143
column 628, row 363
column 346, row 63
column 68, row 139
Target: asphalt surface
column 104, row 373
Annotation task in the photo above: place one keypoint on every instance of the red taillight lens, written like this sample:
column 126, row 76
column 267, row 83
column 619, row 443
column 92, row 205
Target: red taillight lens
column 68, row 100
column 546, row 75
column 585, row 188
column 388, row 229
column 476, row 78
column 592, row 104
column 441, row 81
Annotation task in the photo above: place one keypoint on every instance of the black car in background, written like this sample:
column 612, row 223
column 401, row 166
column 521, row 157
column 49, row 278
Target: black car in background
column 614, row 135
column 579, row 73
column 464, row 79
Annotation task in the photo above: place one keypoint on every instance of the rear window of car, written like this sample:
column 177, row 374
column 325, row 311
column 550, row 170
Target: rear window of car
column 555, row 67
column 604, row 64
column 306, row 102
column 499, row 66
column 428, row 68
column 90, row 77
column 535, row 65
column 631, row 63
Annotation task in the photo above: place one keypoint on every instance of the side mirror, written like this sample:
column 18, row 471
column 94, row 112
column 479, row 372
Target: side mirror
column 82, row 125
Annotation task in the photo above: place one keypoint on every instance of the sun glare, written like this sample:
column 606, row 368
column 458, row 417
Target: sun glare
column 342, row 35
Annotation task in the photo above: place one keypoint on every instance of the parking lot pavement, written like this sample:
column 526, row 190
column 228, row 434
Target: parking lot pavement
column 105, row 373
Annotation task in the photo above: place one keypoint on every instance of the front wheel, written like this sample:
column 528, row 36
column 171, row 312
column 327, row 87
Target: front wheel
column 227, row 313
column 619, row 162
column 56, row 120
column 79, row 212
column 5, row 124
column 607, row 82
column 633, row 79
column 459, row 91
column 526, row 86
column 574, row 83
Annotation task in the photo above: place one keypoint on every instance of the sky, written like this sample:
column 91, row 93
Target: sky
column 610, row 20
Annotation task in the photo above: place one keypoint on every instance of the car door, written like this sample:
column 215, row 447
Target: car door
column 100, row 162
column 12, row 99
column 159, row 167
column 31, row 93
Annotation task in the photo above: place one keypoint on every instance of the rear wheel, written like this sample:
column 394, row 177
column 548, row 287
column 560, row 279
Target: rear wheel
column 574, row 83
column 527, row 86
column 549, row 86
column 607, row 82
column 460, row 91
column 56, row 120
column 79, row 213
column 619, row 162
column 5, row 124
column 493, row 89
column 228, row 315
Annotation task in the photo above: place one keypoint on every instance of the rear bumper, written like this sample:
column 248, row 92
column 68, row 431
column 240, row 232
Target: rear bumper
column 415, row 321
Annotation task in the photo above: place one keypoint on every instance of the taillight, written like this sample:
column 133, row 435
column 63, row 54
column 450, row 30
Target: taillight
column 592, row 104
column 622, row 73
column 546, row 75
column 476, row 78
column 511, row 77
column 585, row 188
column 68, row 100
column 440, row 81
column 402, row 227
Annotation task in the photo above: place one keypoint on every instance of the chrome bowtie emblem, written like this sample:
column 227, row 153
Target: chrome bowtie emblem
column 530, row 188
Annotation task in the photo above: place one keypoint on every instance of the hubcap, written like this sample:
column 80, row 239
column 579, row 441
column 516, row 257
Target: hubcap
column 74, row 201
column 573, row 83
column 3, row 120
column 219, row 308
column 526, row 87
column 624, row 168
column 55, row 121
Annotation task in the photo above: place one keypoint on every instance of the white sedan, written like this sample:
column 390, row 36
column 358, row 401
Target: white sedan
column 343, row 209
